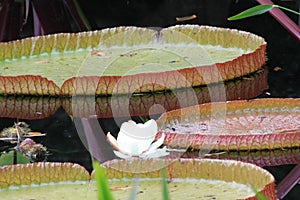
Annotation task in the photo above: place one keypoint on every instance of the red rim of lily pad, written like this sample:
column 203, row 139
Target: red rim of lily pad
column 39, row 107
column 139, row 105
column 212, row 169
column 249, row 125
column 260, row 158
column 158, row 81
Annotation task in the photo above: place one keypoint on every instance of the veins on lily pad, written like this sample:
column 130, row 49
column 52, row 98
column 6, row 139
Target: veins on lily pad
column 136, row 140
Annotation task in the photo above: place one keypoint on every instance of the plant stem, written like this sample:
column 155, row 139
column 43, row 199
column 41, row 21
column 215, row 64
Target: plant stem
column 287, row 9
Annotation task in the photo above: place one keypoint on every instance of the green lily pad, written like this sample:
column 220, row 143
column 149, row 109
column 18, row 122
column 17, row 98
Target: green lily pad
column 199, row 178
column 8, row 158
column 127, row 60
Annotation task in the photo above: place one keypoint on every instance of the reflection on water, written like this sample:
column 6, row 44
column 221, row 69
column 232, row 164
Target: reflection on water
column 28, row 107
column 54, row 115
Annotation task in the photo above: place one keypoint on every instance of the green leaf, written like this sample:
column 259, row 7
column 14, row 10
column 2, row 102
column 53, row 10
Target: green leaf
column 259, row 195
column 8, row 158
column 102, row 185
column 257, row 10
column 164, row 185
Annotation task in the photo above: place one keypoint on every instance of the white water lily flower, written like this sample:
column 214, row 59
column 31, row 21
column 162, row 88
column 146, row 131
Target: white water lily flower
column 136, row 140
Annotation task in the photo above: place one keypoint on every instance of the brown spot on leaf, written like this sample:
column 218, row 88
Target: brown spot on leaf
column 128, row 54
column 42, row 62
column 97, row 52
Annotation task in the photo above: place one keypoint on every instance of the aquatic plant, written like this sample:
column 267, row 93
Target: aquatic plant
column 40, row 180
column 282, row 18
column 234, row 125
column 26, row 61
column 135, row 140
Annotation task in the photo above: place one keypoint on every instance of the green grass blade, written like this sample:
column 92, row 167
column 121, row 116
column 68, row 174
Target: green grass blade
column 82, row 16
column 259, row 195
column 102, row 185
column 165, row 191
column 257, row 10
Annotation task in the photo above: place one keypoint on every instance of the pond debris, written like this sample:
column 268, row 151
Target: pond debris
column 42, row 62
column 276, row 69
column 121, row 188
column 18, row 132
column 128, row 54
column 97, row 52
column 175, row 61
column 186, row 18
column 33, row 151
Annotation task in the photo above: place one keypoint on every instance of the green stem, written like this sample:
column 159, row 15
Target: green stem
column 287, row 9
column 82, row 16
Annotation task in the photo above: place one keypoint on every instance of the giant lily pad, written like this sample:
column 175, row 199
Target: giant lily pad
column 195, row 179
column 234, row 125
column 201, row 178
column 127, row 60
column 43, row 181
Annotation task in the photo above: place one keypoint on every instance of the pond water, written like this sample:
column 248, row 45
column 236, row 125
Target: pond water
column 280, row 78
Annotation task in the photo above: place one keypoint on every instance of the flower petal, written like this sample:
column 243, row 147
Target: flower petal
column 134, row 138
column 112, row 141
column 155, row 154
column 156, row 144
column 143, row 131
column 131, row 145
column 122, row 155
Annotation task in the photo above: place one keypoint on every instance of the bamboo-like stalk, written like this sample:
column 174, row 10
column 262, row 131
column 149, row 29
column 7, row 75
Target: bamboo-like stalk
column 283, row 19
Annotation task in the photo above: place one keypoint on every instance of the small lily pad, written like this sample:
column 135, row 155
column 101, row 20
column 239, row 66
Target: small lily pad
column 8, row 158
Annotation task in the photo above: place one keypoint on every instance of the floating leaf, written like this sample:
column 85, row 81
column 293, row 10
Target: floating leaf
column 70, row 181
column 235, row 125
column 62, row 64
column 8, row 158
column 188, row 176
column 43, row 172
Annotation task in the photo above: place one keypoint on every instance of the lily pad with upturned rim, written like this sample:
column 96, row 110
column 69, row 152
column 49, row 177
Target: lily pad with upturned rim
column 208, row 178
column 52, row 64
column 234, row 125
column 71, row 181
